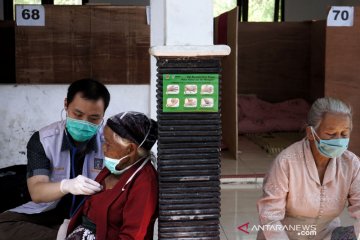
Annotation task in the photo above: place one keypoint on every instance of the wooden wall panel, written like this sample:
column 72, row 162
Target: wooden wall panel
column 7, row 52
column 342, row 71
column 109, row 43
column 59, row 52
column 274, row 60
column 317, row 58
column 229, row 109
column 120, row 43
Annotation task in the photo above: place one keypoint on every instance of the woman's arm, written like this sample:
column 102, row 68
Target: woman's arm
column 139, row 209
column 354, row 197
column 271, row 206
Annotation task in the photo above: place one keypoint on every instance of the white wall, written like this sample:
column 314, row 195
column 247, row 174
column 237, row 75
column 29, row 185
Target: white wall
column 27, row 108
column 296, row 10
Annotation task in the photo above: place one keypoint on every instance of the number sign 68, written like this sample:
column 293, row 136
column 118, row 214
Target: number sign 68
column 30, row 15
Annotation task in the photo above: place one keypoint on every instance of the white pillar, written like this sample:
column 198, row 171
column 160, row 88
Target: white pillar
column 177, row 24
column 189, row 22
column 174, row 22
column 157, row 38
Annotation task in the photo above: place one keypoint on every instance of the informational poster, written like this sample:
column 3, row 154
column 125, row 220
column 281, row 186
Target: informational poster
column 190, row 92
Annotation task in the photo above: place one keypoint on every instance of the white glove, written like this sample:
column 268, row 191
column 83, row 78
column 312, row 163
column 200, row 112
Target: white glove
column 79, row 186
column 61, row 235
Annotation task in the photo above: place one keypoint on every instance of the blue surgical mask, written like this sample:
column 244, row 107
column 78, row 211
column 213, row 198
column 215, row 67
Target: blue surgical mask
column 331, row 148
column 111, row 163
column 80, row 130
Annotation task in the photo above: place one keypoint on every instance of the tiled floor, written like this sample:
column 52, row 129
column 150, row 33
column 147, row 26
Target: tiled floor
column 252, row 160
column 241, row 187
column 238, row 207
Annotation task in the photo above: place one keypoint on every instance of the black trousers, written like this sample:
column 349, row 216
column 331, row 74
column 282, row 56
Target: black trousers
column 18, row 226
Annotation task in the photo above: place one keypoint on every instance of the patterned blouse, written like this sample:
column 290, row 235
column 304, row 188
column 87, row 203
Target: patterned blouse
column 295, row 205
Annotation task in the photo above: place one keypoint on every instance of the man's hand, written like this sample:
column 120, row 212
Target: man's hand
column 79, row 186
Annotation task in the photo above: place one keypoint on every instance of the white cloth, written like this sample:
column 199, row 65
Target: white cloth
column 293, row 194
column 63, row 230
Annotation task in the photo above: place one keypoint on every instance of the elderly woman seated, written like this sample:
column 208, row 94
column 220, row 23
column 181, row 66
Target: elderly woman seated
column 311, row 181
column 126, row 208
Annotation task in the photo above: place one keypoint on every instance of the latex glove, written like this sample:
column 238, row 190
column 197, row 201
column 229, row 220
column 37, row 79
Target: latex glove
column 79, row 186
column 61, row 235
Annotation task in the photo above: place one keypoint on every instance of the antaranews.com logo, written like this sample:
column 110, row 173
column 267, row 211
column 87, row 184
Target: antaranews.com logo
column 302, row 230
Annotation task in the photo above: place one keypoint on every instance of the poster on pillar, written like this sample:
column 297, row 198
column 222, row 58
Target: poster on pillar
column 190, row 92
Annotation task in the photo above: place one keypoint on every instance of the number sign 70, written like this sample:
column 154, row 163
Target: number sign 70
column 341, row 16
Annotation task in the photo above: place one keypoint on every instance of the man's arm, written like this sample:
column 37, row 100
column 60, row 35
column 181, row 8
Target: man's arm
column 40, row 187
column 38, row 172
column 42, row 190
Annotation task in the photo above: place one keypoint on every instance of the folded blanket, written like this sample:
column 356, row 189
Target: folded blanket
column 258, row 116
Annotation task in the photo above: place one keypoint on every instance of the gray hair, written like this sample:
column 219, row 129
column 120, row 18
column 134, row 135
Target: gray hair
column 125, row 142
column 327, row 105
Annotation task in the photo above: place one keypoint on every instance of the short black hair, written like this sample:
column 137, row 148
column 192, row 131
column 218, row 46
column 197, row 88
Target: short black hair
column 91, row 89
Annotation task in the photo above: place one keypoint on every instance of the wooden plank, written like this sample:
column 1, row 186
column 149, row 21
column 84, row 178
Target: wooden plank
column 229, row 109
column 274, row 60
column 317, row 64
column 342, row 72
column 120, row 39
column 109, row 43
column 7, row 49
column 71, row 54
column 58, row 52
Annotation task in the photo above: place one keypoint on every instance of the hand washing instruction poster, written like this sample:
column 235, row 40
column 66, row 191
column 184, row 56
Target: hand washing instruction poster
column 190, row 92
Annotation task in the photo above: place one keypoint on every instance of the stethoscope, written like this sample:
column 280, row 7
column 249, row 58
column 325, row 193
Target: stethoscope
column 72, row 213
column 73, row 153
column 73, row 150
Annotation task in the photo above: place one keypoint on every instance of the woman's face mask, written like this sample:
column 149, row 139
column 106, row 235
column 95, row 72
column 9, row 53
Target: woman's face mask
column 330, row 148
column 111, row 163
column 80, row 130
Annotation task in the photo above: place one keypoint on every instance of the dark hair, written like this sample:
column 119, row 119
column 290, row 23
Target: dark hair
column 91, row 89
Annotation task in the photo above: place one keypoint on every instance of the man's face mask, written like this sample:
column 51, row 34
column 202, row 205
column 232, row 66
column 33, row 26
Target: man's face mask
column 80, row 130
column 330, row 148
